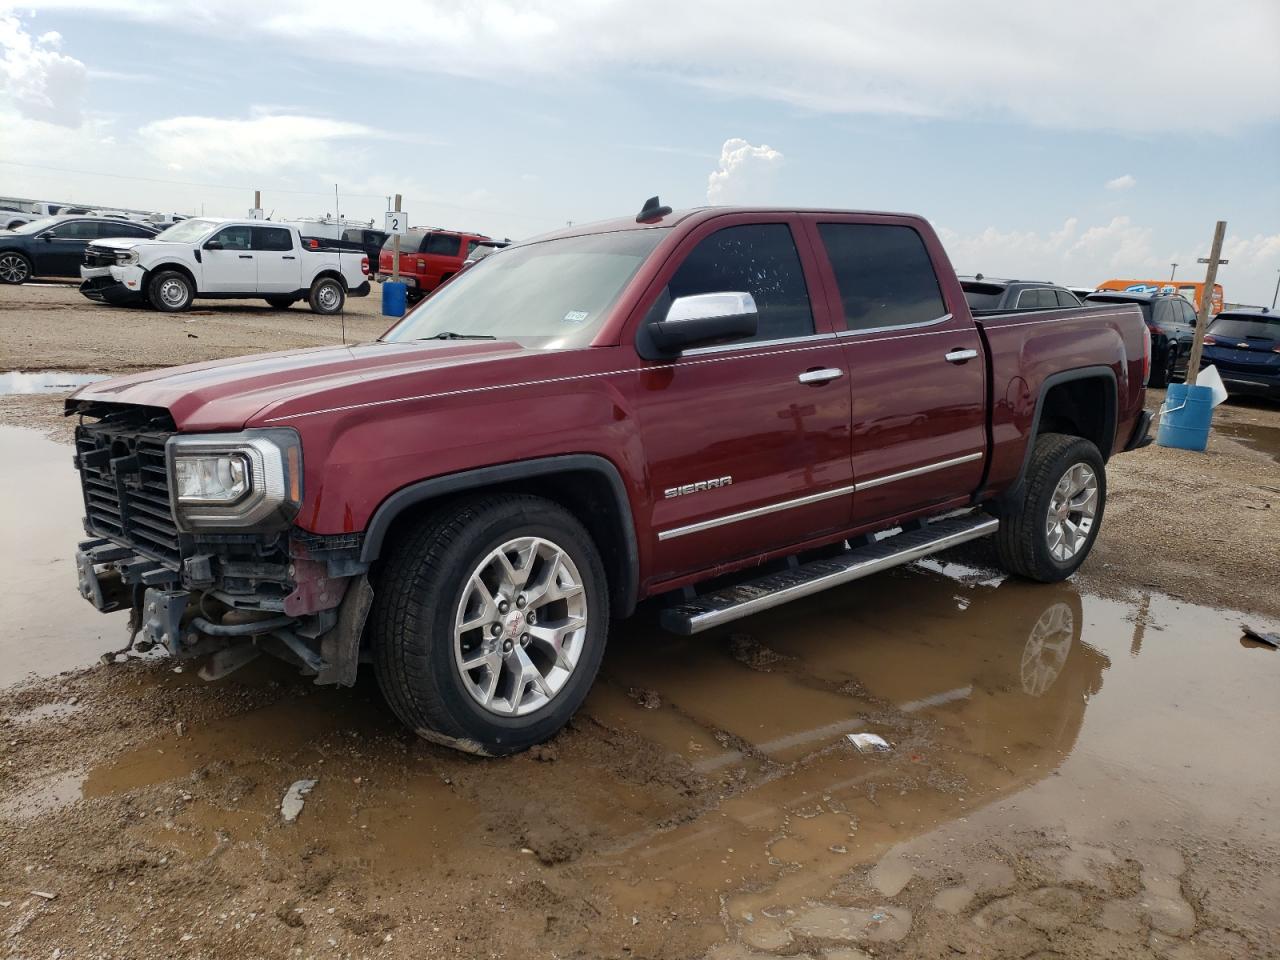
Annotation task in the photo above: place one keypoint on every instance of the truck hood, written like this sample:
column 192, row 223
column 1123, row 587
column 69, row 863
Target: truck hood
column 229, row 394
column 128, row 243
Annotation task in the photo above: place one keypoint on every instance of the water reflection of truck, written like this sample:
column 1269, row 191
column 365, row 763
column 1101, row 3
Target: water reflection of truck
column 1191, row 290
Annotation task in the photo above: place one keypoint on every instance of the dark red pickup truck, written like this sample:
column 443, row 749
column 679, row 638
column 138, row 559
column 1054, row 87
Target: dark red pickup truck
column 719, row 409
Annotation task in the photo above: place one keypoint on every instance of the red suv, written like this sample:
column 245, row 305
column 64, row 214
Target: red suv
column 428, row 258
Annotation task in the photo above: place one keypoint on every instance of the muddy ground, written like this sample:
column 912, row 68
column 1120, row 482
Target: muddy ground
column 1083, row 770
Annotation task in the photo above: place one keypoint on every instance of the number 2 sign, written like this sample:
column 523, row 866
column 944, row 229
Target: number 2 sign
column 395, row 222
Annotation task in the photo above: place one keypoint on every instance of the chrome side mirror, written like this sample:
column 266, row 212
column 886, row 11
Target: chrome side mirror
column 705, row 318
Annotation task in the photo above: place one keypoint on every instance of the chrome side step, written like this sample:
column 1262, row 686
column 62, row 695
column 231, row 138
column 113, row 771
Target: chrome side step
column 764, row 593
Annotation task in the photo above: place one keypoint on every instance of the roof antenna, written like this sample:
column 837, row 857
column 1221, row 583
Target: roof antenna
column 652, row 211
column 342, row 309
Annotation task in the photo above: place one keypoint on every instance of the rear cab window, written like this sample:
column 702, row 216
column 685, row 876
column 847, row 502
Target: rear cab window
column 884, row 274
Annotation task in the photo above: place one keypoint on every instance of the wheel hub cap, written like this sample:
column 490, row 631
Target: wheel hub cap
column 1072, row 510
column 172, row 292
column 520, row 626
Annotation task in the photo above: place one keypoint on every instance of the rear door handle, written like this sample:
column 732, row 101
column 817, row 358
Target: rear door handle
column 821, row 375
column 246, row 256
column 288, row 258
column 960, row 356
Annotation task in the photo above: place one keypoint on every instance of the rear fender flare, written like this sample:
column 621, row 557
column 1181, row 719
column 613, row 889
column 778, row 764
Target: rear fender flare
column 1067, row 376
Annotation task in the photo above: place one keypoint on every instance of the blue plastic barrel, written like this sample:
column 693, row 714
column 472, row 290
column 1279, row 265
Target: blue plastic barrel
column 394, row 298
column 1186, row 417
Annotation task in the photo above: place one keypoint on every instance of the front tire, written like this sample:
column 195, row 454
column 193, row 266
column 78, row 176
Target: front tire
column 327, row 296
column 170, row 291
column 489, row 623
column 14, row 268
column 1049, row 531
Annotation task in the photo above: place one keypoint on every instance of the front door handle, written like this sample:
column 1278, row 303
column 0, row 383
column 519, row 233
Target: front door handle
column 960, row 356
column 820, row 375
column 288, row 258
column 246, row 256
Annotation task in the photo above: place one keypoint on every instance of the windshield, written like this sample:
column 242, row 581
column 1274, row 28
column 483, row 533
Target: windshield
column 551, row 294
column 188, row 231
column 36, row 226
column 1242, row 328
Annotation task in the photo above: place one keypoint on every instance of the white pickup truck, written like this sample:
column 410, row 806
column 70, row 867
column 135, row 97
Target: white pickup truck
column 215, row 258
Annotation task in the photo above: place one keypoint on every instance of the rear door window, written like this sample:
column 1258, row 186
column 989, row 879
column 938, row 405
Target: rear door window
column 760, row 259
column 126, row 230
column 442, row 244
column 272, row 238
column 1067, row 299
column 884, row 275
column 1036, row 298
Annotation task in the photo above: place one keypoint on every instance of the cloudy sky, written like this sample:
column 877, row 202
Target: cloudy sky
column 1071, row 142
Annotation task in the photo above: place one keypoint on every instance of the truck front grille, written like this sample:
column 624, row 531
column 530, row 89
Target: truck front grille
column 99, row 258
column 125, row 481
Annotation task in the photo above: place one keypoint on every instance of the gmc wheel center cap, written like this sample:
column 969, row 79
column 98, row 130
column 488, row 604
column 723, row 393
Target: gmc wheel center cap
column 515, row 623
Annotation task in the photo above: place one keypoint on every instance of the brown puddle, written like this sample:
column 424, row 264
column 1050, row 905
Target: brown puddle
column 48, row 627
column 1261, row 438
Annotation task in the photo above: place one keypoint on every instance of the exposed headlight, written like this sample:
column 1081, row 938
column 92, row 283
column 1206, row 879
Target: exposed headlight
column 235, row 480
column 127, row 258
column 220, row 478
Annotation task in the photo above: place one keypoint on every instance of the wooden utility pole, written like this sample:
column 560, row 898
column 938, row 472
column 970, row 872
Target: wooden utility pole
column 257, row 199
column 1206, row 301
column 395, row 250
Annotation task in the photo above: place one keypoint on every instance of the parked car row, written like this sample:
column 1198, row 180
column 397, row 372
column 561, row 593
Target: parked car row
column 54, row 246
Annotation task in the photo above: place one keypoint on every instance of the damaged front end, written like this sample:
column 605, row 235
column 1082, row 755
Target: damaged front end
column 194, row 535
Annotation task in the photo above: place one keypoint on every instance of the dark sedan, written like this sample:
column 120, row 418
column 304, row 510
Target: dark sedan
column 54, row 246
column 1172, row 322
column 1245, row 347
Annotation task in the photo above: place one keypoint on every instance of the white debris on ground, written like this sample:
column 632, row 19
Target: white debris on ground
column 291, row 805
column 868, row 742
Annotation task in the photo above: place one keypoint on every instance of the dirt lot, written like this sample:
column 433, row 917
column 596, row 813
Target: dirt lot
column 1076, row 771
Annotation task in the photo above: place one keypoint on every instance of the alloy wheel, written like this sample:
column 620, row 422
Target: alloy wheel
column 1072, row 509
column 13, row 269
column 520, row 626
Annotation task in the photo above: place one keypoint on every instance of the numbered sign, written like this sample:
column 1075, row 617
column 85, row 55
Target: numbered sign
column 396, row 222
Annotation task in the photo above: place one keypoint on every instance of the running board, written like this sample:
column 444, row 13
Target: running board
column 764, row 593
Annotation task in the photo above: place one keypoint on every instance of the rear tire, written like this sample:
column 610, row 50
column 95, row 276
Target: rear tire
column 450, row 594
column 170, row 291
column 14, row 268
column 327, row 296
column 281, row 303
column 1047, row 533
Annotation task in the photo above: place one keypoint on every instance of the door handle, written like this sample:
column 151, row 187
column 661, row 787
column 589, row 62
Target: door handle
column 288, row 258
column 960, row 356
column 246, row 256
column 821, row 375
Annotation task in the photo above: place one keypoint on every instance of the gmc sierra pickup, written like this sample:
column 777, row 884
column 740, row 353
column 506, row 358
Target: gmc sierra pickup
column 718, row 409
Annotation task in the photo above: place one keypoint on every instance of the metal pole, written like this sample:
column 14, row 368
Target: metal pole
column 1172, row 271
column 1277, row 293
column 1206, row 303
column 395, row 250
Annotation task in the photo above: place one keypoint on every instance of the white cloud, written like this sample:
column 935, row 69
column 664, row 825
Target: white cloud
column 1118, row 248
column 263, row 143
column 927, row 58
column 745, row 174
column 42, row 83
column 1124, row 182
